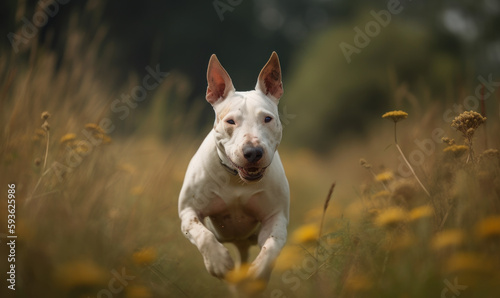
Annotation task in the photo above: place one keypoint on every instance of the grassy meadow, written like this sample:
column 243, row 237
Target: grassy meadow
column 94, row 203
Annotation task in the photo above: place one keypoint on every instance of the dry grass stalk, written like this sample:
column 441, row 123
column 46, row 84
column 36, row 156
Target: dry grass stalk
column 325, row 207
column 46, row 127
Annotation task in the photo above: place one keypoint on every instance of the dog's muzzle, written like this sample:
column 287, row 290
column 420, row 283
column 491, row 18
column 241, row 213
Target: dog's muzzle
column 249, row 174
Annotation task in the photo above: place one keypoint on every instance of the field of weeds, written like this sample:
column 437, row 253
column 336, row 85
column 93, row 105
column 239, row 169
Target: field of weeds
column 401, row 212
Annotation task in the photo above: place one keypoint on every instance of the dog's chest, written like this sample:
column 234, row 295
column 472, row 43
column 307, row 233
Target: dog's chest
column 233, row 219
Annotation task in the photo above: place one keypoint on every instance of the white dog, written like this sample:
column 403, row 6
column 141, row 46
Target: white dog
column 235, row 189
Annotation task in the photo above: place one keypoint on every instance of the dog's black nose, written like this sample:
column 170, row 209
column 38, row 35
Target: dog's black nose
column 253, row 154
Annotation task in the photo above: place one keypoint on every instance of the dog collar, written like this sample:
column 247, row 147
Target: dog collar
column 232, row 171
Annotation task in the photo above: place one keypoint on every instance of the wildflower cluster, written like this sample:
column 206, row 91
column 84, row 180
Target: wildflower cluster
column 467, row 123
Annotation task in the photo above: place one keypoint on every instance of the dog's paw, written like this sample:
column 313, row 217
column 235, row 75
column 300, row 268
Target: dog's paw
column 217, row 260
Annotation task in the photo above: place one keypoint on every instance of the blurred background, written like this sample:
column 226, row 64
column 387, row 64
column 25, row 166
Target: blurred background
column 430, row 50
column 85, row 207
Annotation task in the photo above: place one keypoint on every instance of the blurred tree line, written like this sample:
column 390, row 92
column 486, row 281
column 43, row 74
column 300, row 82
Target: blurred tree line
column 427, row 51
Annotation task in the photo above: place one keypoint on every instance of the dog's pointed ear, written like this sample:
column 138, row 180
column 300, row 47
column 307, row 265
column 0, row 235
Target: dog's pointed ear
column 219, row 82
column 269, row 81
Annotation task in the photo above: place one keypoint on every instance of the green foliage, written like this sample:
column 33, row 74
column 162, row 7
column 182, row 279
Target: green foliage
column 331, row 96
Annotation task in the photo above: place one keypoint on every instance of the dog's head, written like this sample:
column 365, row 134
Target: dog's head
column 247, row 125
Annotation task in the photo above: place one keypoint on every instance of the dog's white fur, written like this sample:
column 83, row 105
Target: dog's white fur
column 235, row 189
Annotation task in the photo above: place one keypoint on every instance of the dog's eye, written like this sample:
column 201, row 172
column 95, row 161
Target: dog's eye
column 268, row 119
column 230, row 121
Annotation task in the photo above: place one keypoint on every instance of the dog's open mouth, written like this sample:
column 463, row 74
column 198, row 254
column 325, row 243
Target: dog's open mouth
column 251, row 174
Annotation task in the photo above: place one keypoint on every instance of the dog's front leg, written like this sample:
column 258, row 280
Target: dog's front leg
column 272, row 238
column 215, row 256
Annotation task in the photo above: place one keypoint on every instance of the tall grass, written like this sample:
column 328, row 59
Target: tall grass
column 90, row 203
column 395, row 239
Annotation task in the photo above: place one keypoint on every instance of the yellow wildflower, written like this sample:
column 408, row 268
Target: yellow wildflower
column 289, row 256
column 465, row 261
column 137, row 291
column 105, row 138
column 456, row 150
column 306, row 233
column 358, row 282
column 391, row 217
column 395, row 115
column 447, row 238
column 67, row 138
column 420, row 212
column 81, row 273
column 237, row 275
column 384, row 176
column 145, row 256
column 94, row 127
column 98, row 132
column 489, row 228
column 246, row 283
column 82, row 148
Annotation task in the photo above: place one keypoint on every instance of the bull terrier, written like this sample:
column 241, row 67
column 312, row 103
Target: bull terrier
column 235, row 189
